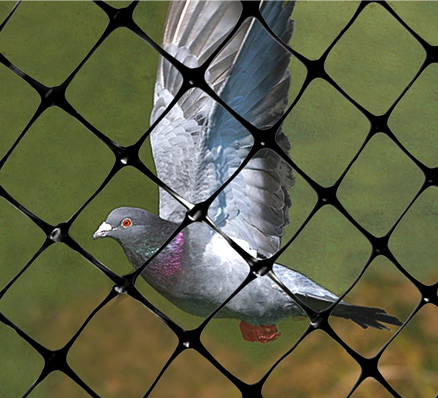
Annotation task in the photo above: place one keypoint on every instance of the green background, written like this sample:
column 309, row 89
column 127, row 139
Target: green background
column 59, row 164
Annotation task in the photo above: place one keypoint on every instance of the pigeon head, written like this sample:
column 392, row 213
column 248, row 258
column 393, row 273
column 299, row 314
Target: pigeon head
column 139, row 232
column 124, row 223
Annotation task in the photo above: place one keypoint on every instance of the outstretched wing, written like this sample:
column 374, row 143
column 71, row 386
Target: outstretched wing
column 254, row 207
column 198, row 145
column 193, row 30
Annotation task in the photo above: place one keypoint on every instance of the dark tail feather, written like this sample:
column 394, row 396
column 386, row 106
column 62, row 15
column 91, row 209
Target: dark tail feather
column 366, row 316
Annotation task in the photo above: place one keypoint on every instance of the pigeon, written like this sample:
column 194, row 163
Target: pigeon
column 197, row 147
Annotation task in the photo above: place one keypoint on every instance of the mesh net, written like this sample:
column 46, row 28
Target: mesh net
column 287, row 367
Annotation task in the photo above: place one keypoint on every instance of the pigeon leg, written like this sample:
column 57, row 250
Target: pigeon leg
column 262, row 334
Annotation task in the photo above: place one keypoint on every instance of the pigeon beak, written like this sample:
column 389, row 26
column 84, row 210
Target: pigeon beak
column 103, row 230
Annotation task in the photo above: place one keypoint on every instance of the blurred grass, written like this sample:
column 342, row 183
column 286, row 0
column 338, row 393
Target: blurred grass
column 59, row 164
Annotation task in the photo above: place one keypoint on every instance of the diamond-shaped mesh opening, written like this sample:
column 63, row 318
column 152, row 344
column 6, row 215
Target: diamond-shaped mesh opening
column 46, row 171
column 182, row 318
column 418, row 135
column 420, row 17
column 329, row 251
column 409, row 364
column 14, row 251
column 412, row 241
column 5, row 9
column 370, row 388
column 149, row 15
column 323, row 22
column 324, row 123
column 380, row 185
column 374, row 71
column 52, row 322
column 247, row 360
column 34, row 41
column 20, row 364
column 186, row 376
column 400, row 299
column 117, row 4
column 245, row 90
column 371, row 57
column 316, row 367
column 110, row 93
column 121, row 349
column 18, row 103
column 58, row 384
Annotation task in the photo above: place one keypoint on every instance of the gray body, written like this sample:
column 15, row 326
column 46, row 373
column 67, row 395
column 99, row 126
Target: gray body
column 198, row 271
column 198, row 279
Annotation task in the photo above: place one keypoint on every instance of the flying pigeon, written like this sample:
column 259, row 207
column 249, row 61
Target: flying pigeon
column 196, row 148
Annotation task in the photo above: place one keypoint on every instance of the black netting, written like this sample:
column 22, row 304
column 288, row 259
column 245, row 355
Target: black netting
column 130, row 157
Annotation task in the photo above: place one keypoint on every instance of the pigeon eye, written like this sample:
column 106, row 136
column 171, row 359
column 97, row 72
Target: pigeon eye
column 126, row 223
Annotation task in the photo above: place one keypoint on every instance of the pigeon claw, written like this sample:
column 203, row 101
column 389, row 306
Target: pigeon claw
column 262, row 334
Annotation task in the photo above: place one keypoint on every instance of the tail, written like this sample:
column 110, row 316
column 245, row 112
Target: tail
column 362, row 315
column 319, row 298
column 366, row 316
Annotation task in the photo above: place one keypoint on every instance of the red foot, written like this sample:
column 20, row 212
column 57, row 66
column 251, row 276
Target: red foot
column 262, row 334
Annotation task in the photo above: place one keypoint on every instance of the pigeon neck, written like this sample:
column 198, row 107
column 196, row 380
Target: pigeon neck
column 166, row 267
column 139, row 247
column 164, row 271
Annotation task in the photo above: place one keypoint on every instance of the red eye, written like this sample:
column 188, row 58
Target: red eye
column 126, row 223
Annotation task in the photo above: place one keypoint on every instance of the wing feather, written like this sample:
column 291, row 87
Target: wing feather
column 198, row 145
column 255, row 206
column 194, row 29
